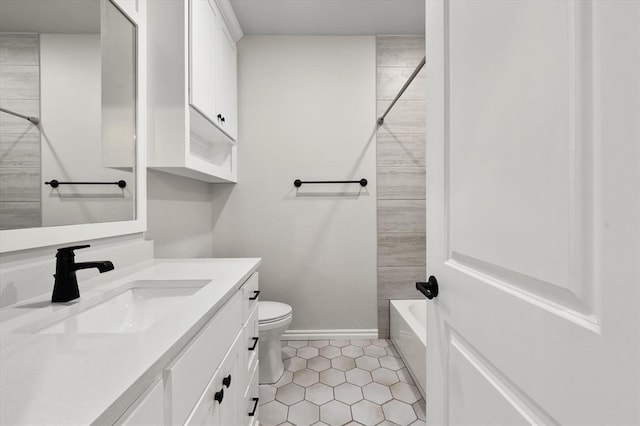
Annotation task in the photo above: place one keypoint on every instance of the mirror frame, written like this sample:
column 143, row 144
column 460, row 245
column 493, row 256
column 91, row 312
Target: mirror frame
column 28, row 238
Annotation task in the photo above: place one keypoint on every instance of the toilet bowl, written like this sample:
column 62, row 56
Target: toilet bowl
column 273, row 320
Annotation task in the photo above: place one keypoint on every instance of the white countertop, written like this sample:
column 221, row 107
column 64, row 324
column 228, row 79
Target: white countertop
column 79, row 379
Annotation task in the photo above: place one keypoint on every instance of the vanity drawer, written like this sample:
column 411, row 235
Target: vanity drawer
column 250, row 295
column 225, row 410
column 189, row 374
column 251, row 332
column 251, row 397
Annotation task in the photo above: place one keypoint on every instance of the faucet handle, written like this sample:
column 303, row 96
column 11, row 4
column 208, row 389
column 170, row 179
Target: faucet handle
column 69, row 250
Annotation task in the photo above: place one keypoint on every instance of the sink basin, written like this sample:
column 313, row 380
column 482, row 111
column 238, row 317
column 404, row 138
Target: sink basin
column 131, row 308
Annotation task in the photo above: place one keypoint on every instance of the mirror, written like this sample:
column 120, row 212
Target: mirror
column 70, row 67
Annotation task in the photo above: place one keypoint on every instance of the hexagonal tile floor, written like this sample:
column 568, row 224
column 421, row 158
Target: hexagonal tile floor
column 339, row 382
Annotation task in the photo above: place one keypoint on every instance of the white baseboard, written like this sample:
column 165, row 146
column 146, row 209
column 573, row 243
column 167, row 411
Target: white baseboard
column 330, row 334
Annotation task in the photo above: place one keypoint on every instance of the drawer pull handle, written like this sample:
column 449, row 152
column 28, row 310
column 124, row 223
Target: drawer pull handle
column 256, row 293
column 255, row 406
column 227, row 381
column 255, row 343
column 219, row 396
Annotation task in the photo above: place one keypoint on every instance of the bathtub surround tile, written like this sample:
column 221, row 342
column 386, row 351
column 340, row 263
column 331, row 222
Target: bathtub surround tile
column 19, row 214
column 406, row 117
column 400, row 164
column 20, row 184
column 389, row 81
column 19, row 150
column 383, row 318
column 11, row 124
column 399, row 282
column 401, row 183
column 399, row 51
column 401, row 216
column 19, row 49
column 340, row 398
column 401, row 150
column 401, row 249
column 20, row 82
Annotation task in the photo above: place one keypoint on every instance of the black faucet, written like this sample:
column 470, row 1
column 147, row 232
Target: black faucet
column 65, row 287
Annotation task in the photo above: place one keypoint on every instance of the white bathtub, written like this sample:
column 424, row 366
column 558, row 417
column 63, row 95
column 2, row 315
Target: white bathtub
column 409, row 335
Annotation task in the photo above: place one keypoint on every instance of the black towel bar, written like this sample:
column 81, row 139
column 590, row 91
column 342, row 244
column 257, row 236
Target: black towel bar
column 298, row 183
column 55, row 183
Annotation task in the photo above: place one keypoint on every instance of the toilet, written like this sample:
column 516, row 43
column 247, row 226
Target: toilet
column 273, row 320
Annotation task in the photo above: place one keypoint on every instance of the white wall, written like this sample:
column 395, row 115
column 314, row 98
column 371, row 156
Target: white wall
column 307, row 111
column 179, row 215
column 72, row 137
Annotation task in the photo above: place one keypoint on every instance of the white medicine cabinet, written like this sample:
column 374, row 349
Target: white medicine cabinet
column 193, row 88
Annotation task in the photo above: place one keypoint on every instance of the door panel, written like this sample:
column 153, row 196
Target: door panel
column 533, row 217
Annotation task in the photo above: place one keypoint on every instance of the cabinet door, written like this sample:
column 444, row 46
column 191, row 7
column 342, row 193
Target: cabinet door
column 203, row 20
column 226, row 386
column 226, row 80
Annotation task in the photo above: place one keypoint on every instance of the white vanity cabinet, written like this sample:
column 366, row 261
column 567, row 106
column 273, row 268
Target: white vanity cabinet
column 192, row 88
column 214, row 379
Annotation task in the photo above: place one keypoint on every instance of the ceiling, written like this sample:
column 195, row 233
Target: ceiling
column 330, row 17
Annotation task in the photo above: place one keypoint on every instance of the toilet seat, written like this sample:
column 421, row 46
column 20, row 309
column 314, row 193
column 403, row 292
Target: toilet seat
column 270, row 312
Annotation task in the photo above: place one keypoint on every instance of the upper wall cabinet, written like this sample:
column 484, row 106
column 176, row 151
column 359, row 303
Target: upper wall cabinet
column 193, row 88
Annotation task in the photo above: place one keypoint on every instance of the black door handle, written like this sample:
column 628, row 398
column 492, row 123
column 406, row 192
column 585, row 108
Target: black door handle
column 218, row 396
column 255, row 407
column 429, row 288
column 255, row 343
column 227, row 381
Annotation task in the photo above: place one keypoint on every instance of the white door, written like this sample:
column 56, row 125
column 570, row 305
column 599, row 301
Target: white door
column 533, row 212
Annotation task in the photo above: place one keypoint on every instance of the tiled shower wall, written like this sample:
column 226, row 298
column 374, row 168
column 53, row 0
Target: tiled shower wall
column 19, row 139
column 401, row 173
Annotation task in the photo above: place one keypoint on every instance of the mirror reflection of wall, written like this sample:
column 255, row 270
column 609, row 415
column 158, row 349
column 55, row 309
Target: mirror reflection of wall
column 73, row 66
